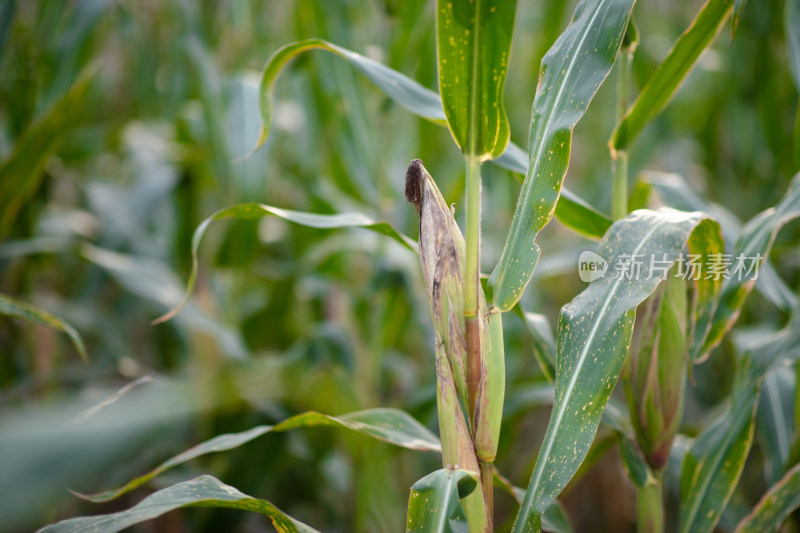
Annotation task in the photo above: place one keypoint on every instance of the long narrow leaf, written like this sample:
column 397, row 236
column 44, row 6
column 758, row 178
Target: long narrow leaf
column 594, row 335
column 435, row 502
column 676, row 192
column 755, row 242
column 571, row 72
column 776, row 505
column 473, row 40
column 714, row 463
column 204, row 491
column 253, row 211
column 25, row 311
column 669, row 75
column 575, row 213
column 22, row 172
column 389, row 425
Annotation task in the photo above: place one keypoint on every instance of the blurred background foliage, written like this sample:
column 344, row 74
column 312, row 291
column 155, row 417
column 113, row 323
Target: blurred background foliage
column 124, row 123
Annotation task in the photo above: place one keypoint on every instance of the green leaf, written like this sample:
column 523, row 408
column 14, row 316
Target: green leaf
column 792, row 21
column 25, row 311
column 574, row 212
column 669, row 75
column 473, row 39
column 675, row 192
column 22, row 172
column 714, row 463
column 408, row 93
column 594, row 335
column 204, row 491
column 756, row 240
column 775, row 422
column 389, row 425
column 571, row 72
column 435, row 502
column 775, row 506
column 738, row 7
column 254, row 211
column 544, row 346
column 151, row 279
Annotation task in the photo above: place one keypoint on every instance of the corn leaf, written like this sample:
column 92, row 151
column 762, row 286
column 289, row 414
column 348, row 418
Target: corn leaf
column 738, row 7
column 435, row 502
column 675, row 192
column 571, row 210
column 571, row 72
column 669, row 75
column 775, row 422
column 594, row 335
column 25, row 311
column 22, row 172
column 756, row 240
column 389, row 425
column 473, row 39
column 714, row 463
column 792, row 21
column 204, row 491
column 253, row 211
column 574, row 212
column 775, row 506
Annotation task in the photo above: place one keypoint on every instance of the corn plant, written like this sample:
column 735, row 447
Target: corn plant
column 648, row 325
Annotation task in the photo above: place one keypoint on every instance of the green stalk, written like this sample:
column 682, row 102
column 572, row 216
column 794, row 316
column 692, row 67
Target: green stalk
column 649, row 509
column 472, row 321
column 619, row 158
column 472, row 282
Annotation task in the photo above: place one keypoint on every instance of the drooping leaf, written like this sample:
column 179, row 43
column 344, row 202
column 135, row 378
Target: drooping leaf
column 571, row 72
column 752, row 247
column 389, row 425
column 775, row 506
column 435, row 502
column 669, row 75
column 473, row 40
column 25, row 311
column 22, row 172
column 408, row 93
column 574, row 212
column 594, row 334
column 204, row 491
column 254, row 211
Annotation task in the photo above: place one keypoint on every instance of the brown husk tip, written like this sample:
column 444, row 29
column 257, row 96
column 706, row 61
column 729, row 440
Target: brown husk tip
column 414, row 184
